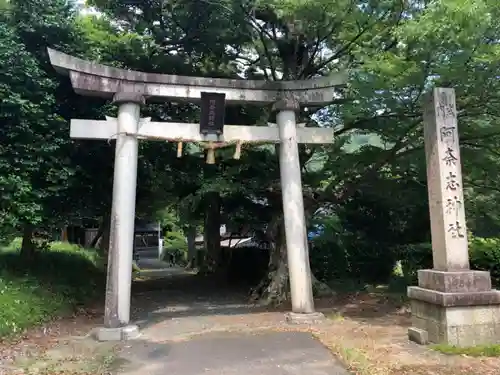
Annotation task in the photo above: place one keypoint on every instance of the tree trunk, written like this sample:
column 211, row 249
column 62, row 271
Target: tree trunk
column 97, row 236
column 64, row 234
column 274, row 289
column 191, row 238
column 27, row 245
column 212, row 232
column 104, row 243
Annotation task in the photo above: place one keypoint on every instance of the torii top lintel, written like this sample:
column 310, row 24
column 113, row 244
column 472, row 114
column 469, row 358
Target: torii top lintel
column 92, row 79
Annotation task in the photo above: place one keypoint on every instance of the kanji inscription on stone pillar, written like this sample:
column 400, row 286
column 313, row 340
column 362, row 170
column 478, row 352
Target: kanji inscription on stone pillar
column 444, row 180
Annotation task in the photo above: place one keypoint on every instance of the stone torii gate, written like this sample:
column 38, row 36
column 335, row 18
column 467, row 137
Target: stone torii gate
column 129, row 90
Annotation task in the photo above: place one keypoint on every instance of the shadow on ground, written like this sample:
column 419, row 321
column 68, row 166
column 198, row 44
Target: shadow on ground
column 368, row 307
column 182, row 333
column 171, row 292
column 184, row 294
column 175, row 307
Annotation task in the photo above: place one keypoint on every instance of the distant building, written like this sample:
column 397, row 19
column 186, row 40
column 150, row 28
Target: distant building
column 245, row 239
column 148, row 239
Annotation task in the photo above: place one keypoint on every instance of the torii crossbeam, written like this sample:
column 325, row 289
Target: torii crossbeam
column 190, row 132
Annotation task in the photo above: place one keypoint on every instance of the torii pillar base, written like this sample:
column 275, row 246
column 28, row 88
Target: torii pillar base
column 301, row 318
column 130, row 332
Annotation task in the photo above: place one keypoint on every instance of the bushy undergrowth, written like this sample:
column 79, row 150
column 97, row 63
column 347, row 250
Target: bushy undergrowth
column 338, row 254
column 175, row 247
column 59, row 278
column 484, row 255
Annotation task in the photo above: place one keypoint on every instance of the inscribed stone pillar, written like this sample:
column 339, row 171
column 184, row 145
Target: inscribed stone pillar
column 293, row 211
column 452, row 304
column 121, row 242
column 444, row 181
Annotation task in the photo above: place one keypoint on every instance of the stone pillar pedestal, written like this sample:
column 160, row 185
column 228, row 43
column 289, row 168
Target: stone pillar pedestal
column 457, row 308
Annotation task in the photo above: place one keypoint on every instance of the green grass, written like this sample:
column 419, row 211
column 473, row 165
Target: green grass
column 58, row 279
column 473, row 351
column 24, row 304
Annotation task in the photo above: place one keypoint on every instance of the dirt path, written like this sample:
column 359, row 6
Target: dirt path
column 366, row 331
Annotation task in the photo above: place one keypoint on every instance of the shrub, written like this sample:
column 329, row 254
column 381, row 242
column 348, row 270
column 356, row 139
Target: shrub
column 57, row 279
column 175, row 245
column 338, row 254
column 485, row 255
column 414, row 257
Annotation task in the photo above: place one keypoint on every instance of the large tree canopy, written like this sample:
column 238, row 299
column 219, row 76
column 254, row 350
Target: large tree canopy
column 394, row 51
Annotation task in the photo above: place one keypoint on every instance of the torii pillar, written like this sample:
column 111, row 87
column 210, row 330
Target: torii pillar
column 293, row 212
column 129, row 89
column 122, row 230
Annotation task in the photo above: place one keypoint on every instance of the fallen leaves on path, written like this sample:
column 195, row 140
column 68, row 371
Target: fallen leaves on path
column 369, row 333
column 35, row 342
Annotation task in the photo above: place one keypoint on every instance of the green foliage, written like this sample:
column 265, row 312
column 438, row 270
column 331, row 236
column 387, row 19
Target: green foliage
column 175, row 244
column 25, row 304
column 29, row 170
column 341, row 254
column 60, row 277
column 473, row 351
column 414, row 257
column 372, row 178
column 329, row 251
column 36, row 165
column 174, row 239
column 364, row 237
column 485, row 255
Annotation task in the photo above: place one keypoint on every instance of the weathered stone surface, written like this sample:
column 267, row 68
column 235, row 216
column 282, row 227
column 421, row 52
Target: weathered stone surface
column 128, row 97
column 444, row 182
column 418, row 335
column 461, row 326
column 454, row 299
column 287, row 103
column 89, row 78
column 121, row 234
column 130, row 332
column 100, row 129
column 310, row 318
column 455, row 282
